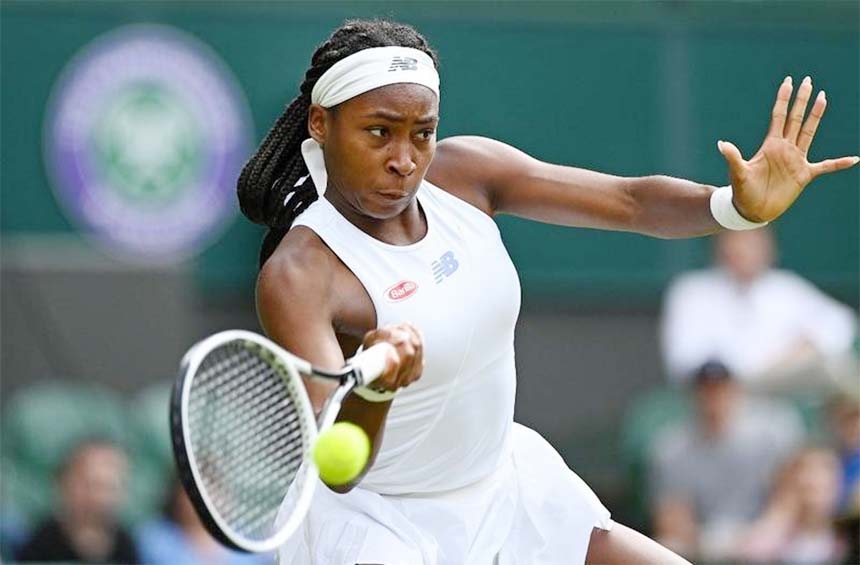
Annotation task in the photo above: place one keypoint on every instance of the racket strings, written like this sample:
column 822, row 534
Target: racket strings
column 247, row 438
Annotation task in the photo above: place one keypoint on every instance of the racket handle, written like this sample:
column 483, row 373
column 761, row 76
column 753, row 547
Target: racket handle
column 371, row 362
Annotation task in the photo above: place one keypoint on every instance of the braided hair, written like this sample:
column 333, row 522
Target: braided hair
column 274, row 186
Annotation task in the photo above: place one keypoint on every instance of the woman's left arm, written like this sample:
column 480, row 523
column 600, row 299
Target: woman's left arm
column 502, row 179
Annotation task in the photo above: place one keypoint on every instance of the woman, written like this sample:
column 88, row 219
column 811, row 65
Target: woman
column 403, row 233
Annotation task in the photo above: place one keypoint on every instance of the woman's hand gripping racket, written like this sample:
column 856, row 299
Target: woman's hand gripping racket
column 243, row 430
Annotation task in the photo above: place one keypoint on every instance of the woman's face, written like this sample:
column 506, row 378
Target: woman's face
column 377, row 148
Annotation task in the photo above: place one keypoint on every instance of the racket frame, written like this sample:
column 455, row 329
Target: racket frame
column 291, row 367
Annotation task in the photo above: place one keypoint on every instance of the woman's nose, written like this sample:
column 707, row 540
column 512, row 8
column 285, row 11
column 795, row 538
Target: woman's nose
column 400, row 161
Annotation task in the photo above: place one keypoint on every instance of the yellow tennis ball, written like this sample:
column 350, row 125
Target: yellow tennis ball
column 341, row 452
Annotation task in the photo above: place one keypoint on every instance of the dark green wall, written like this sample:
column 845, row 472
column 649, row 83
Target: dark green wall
column 627, row 88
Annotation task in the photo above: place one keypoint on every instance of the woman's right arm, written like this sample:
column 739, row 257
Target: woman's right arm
column 296, row 306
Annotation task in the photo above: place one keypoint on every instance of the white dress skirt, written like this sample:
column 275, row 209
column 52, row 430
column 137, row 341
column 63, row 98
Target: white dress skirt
column 533, row 510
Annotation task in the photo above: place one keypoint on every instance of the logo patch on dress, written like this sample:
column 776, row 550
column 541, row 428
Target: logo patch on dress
column 445, row 266
column 401, row 291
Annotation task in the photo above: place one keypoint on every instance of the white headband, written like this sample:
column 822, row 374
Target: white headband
column 372, row 68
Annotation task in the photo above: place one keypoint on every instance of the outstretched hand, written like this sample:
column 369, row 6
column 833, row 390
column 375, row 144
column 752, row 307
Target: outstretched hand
column 766, row 186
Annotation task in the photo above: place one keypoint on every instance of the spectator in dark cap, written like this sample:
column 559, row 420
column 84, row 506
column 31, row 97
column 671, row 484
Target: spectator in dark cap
column 710, row 476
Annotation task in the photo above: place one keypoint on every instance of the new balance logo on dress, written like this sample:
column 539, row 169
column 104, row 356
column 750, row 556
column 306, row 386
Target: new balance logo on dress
column 445, row 266
column 403, row 64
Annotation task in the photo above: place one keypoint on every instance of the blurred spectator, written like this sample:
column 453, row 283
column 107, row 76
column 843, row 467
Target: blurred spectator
column 85, row 527
column 178, row 537
column 13, row 531
column 771, row 326
column 845, row 419
column 798, row 525
column 710, row 476
column 849, row 530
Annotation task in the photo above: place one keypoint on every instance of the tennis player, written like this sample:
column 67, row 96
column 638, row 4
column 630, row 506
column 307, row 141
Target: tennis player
column 380, row 233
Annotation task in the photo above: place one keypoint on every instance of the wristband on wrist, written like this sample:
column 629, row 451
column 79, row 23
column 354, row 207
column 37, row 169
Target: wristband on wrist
column 725, row 213
column 372, row 395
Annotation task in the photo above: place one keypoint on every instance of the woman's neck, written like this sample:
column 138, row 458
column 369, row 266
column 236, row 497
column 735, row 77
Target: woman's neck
column 406, row 228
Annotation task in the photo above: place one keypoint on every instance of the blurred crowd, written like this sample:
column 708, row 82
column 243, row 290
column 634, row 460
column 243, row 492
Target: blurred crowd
column 86, row 526
column 115, row 498
column 750, row 453
column 763, row 465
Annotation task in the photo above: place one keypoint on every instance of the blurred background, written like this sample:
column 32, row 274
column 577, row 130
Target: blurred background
column 124, row 126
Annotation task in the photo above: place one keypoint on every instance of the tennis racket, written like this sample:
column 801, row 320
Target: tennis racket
column 242, row 428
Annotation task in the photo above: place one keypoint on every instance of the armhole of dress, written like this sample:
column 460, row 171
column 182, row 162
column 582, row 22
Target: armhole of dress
column 444, row 197
column 346, row 264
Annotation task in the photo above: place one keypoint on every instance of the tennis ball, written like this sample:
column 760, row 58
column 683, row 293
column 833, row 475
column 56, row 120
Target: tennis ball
column 341, row 452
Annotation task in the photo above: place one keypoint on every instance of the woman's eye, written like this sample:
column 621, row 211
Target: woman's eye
column 426, row 135
column 378, row 132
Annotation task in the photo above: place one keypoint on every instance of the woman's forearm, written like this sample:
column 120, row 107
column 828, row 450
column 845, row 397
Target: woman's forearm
column 369, row 416
column 671, row 208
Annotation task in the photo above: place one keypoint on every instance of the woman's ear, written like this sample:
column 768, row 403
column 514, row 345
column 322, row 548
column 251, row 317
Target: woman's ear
column 317, row 123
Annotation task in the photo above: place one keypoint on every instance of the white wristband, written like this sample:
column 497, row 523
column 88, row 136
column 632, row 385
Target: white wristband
column 725, row 213
column 371, row 395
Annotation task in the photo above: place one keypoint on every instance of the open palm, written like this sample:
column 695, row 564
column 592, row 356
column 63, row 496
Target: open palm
column 765, row 186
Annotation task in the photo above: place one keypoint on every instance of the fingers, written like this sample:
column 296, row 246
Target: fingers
column 780, row 109
column 412, row 358
column 731, row 153
column 804, row 139
column 795, row 118
column 833, row 165
column 407, row 363
column 791, row 126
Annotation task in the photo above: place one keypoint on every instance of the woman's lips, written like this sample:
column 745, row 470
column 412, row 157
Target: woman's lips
column 393, row 195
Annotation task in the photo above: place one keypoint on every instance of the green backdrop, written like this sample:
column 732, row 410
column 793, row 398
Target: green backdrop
column 627, row 88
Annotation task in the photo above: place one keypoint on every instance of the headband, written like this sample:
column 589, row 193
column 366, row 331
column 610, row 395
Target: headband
column 373, row 68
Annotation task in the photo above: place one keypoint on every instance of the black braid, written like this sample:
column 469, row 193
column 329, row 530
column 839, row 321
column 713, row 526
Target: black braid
column 269, row 178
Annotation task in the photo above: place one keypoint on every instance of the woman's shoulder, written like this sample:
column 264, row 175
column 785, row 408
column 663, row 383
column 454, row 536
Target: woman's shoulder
column 459, row 168
column 304, row 285
column 471, row 145
column 473, row 167
column 463, row 157
column 302, row 265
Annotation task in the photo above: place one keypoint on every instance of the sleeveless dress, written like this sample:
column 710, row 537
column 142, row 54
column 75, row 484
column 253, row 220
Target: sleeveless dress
column 456, row 481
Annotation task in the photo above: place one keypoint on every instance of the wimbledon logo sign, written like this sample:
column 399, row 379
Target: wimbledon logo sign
column 145, row 135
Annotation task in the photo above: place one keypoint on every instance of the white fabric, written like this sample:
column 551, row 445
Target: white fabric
column 708, row 315
column 372, row 68
column 725, row 213
column 531, row 510
column 466, row 302
column 315, row 160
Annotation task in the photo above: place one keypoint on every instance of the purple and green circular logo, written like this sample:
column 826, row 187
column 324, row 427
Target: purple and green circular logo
column 145, row 135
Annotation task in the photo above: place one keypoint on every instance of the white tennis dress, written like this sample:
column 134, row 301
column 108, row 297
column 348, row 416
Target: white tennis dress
column 456, row 481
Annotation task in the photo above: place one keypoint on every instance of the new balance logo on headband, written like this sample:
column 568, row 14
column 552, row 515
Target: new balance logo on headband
column 403, row 64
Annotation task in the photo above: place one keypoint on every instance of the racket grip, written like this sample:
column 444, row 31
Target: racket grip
column 371, row 363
